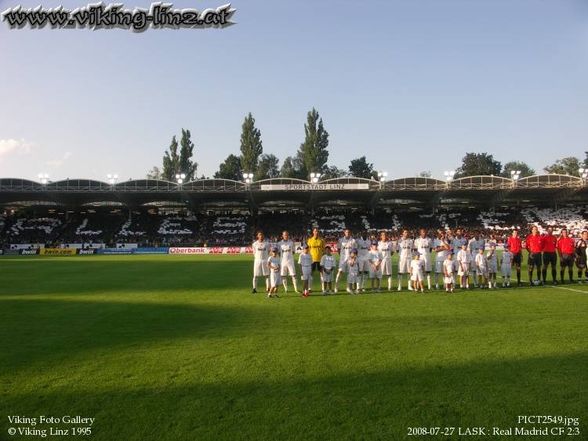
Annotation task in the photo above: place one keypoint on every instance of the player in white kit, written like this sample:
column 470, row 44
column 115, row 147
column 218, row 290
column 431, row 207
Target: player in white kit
column 305, row 262
column 463, row 260
column 345, row 245
column 260, row 267
column 386, row 247
column 458, row 241
column 474, row 245
column 492, row 265
column 273, row 263
column 363, row 248
column 328, row 265
column 424, row 246
column 417, row 267
column 442, row 250
column 481, row 268
column 375, row 260
column 288, row 268
column 405, row 247
column 352, row 269
column 448, row 271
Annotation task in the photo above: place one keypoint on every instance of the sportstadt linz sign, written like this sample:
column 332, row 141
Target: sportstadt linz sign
column 313, row 187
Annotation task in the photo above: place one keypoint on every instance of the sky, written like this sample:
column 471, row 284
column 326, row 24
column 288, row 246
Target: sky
column 411, row 84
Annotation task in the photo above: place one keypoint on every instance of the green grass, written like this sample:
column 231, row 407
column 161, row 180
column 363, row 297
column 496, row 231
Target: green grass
column 176, row 347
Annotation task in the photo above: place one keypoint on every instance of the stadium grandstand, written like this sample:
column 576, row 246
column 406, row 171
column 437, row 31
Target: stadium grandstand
column 219, row 212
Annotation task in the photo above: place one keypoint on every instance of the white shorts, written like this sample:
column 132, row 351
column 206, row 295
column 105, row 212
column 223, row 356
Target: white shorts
column 375, row 274
column 275, row 279
column 327, row 276
column 260, row 268
column 482, row 271
column 364, row 265
column 404, row 265
column 288, row 268
column 418, row 277
column 427, row 259
column 461, row 271
column 473, row 266
column 448, row 279
column 342, row 265
column 306, row 273
column 386, row 267
column 351, row 278
column 506, row 270
column 439, row 266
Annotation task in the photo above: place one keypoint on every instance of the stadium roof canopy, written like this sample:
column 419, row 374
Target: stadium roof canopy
column 283, row 192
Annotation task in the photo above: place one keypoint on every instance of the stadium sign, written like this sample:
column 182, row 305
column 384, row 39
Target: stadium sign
column 151, row 250
column 210, row 250
column 58, row 251
column 85, row 252
column 115, row 251
column 314, row 187
column 29, row 252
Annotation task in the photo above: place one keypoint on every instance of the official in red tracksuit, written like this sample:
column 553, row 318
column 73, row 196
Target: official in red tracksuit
column 515, row 245
column 566, row 247
column 549, row 255
column 534, row 243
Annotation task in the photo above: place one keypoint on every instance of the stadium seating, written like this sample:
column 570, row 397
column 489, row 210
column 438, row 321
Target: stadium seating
column 152, row 227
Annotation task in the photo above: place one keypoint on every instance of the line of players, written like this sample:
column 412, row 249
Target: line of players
column 366, row 258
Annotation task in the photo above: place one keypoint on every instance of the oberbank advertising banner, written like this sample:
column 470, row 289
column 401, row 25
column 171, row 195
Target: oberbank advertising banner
column 210, row 250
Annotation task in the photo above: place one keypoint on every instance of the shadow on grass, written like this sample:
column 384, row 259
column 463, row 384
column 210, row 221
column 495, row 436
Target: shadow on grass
column 358, row 406
column 42, row 332
column 81, row 275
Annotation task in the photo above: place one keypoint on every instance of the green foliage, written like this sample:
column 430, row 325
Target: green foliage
column 332, row 172
column 523, row 167
column 360, row 168
column 478, row 164
column 230, row 169
column 175, row 162
column 154, row 173
column 268, row 167
column 293, row 168
column 251, row 145
column 186, row 164
column 565, row 166
column 171, row 161
column 313, row 154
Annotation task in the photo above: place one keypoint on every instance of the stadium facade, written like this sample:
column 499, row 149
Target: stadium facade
column 549, row 190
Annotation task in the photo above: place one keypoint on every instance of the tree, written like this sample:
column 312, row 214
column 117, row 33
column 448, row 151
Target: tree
column 332, row 172
column 313, row 153
column 268, row 167
column 478, row 164
column 565, row 166
column 154, row 173
column 292, row 168
column 251, row 145
column 425, row 174
column 171, row 161
column 360, row 168
column 175, row 162
column 517, row 166
column 230, row 169
column 186, row 165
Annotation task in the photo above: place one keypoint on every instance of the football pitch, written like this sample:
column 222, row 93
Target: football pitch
column 177, row 348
